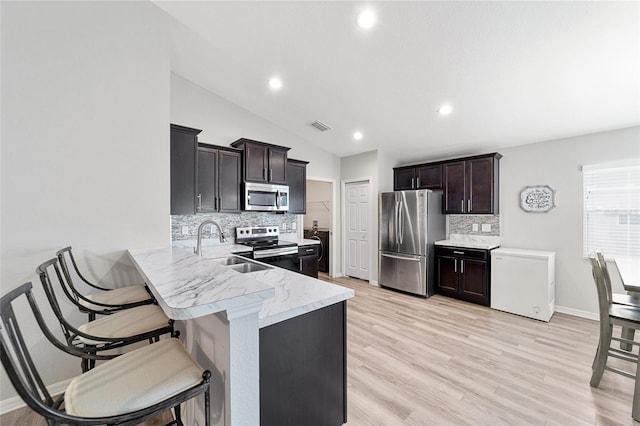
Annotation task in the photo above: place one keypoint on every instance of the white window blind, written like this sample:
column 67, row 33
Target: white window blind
column 612, row 209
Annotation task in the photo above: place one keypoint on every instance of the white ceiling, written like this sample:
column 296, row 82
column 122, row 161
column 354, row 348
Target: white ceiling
column 515, row 72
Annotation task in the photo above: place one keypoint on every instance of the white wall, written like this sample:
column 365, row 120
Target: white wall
column 558, row 164
column 85, row 145
column 360, row 166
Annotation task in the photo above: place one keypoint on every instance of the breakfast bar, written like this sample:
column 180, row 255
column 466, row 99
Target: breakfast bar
column 257, row 328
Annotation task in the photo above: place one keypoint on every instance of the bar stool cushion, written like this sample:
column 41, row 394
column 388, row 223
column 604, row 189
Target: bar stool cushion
column 133, row 381
column 128, row 322
column 117, row 296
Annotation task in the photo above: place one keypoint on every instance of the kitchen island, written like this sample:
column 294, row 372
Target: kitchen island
column 275, row 340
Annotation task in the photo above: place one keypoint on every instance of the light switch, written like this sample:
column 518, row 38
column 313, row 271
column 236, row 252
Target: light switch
column 486, row 227
column 293, row 226
column 283, row 226
column 474, row 227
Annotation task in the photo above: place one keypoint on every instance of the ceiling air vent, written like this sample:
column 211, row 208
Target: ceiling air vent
column 320, row 126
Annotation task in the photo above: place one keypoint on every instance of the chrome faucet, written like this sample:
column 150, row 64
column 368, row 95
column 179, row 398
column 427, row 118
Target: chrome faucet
column 198, row 250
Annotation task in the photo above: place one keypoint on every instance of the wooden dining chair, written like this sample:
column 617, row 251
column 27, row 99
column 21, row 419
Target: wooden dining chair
column 125, row 390
column 611, row 315
column 120, row 329
column 105, row 300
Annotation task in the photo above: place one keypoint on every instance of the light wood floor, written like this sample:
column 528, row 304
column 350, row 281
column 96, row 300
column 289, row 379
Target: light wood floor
column 439, row 361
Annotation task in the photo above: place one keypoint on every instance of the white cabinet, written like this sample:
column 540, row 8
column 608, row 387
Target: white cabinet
column 523, row 282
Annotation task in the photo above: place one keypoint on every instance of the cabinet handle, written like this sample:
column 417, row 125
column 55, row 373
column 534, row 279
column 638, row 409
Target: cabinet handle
column 462, row 266
column 412, row 183
column 270, row 175
column 264, row 173
column 215, row 203
column 199, row 197
column 469, row 205
column 455, row 265
column 301, row 260
column 418, row 182
column 458, row 252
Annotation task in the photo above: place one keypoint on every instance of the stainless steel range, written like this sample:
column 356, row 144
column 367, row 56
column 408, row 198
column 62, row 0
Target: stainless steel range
column 267, row 246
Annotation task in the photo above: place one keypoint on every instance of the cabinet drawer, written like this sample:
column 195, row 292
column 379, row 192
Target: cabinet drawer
column 309, row 250
column 462, row 252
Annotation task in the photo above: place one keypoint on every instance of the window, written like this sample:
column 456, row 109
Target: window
column 612, row 209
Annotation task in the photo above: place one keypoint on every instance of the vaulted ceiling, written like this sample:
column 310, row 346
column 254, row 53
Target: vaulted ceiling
column 514, row 72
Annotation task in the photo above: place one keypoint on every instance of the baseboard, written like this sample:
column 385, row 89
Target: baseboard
column 16, row 402
column 578, row 313
column 374, row 283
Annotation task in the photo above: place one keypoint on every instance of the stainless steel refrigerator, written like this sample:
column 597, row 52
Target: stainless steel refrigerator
column 410, row 222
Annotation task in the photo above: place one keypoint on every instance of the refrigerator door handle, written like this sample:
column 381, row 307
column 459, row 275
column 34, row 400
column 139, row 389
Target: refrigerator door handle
column 401, row 222
column 397, row 222
column 393, row 256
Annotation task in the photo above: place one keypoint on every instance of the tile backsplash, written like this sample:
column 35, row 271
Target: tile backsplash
column 228, row 222
column 463, row 224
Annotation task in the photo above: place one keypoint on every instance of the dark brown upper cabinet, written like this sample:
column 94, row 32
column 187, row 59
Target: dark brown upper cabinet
column 423, row 176
column 184, row 143
column 297, row 182
column 471, row 185
column 219, row 177
column 263, row 162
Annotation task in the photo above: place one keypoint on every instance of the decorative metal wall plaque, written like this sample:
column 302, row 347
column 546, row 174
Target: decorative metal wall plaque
column 537, row 199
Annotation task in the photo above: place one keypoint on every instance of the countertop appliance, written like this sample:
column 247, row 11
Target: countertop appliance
column 410, row 222
column 321, row 235
column 523, row 282
column 266, row 197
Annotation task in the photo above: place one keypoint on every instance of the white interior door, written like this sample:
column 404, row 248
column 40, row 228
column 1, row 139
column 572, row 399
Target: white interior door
column 358, row 229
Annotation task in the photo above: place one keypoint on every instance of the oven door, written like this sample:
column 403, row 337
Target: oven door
column 286, row 261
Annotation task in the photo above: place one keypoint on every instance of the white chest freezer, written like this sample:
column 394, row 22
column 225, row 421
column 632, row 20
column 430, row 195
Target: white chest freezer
column 523, row 282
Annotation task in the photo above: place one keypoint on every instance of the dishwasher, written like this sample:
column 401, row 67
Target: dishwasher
column 523, row 282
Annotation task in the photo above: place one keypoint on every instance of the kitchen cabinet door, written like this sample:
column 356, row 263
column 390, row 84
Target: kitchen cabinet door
column 297, row 182
column 404, row 179
column 277, row 166
column 480, row 185
column 183, row 158
column 229, row 181
column 429, row 176
column 474, row 281
column 207, row 196
column 447, row 275
column 256, row 163
column 454, row 187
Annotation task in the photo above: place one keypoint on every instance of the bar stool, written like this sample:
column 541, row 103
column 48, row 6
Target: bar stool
column 106, row 300
column 126, row 390
column 620, row 315
column 117, row 330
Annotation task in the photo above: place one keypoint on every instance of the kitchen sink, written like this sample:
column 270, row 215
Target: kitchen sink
column 249, row 267
column 241, row 264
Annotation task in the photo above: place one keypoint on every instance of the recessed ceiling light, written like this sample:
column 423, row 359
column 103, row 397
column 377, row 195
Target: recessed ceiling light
column 275, row 83
column 357, row 136
column 366, row 19
column 445, row 109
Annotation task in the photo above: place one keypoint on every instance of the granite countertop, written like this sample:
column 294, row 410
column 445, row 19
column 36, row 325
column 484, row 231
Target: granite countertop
column 470, row 241
column 189, row 286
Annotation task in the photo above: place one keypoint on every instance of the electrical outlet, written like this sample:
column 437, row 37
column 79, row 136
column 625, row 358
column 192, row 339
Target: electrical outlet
column 486, row 227
column 474, row 227
column 283, row 226
column 185, row 230
column 293, row 226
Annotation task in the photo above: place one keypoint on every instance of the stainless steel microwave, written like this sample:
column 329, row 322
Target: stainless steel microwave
column 266, row 197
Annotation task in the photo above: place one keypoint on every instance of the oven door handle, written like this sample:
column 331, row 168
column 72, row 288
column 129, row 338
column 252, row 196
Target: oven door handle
column 260, row 254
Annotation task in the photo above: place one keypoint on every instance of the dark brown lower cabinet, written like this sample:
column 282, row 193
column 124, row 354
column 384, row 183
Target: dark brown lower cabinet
column 463, row 273
column 303, row 367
